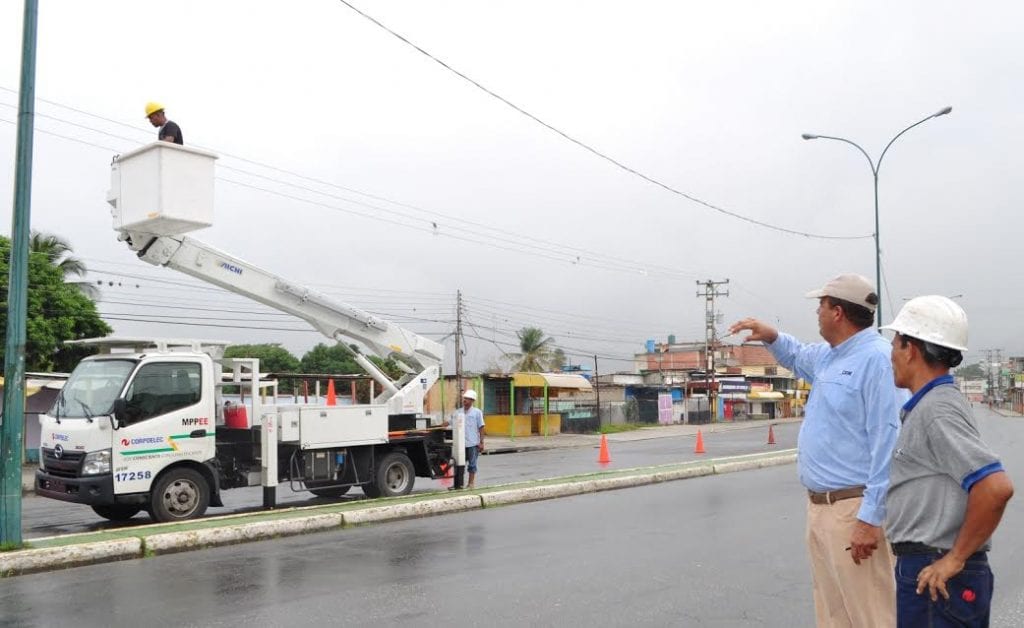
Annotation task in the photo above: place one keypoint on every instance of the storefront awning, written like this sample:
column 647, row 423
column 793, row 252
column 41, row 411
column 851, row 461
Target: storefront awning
column 551, row 380
column 766, row 395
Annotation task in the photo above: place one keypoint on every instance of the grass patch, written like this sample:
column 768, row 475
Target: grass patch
column 617, row 427
column 10, row 547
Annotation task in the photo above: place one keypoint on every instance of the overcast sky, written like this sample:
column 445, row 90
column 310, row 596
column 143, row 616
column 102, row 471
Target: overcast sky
column 708, row 98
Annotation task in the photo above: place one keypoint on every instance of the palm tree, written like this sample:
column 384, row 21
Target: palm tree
column 58, row 252
column 535, row 350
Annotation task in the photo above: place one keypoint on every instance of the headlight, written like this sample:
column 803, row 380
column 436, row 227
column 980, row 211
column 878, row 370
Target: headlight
column 96, row 463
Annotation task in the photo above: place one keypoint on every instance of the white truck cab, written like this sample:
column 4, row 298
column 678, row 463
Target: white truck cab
column 125, row 419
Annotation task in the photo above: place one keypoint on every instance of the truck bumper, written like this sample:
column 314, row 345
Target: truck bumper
column 95, row 490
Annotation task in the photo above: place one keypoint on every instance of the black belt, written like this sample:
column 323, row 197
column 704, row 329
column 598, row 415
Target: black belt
column 831, row 497
column 913, row 548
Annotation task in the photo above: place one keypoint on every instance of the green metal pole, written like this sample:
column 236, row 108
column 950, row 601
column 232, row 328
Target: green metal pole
column 17, row 294
column 545, row 408
column 512, row 409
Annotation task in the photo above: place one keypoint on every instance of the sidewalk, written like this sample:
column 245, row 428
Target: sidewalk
column 1006, row 412
column 505, row 444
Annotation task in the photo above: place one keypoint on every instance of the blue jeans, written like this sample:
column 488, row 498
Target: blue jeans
column 970, row 594
column 472, row 453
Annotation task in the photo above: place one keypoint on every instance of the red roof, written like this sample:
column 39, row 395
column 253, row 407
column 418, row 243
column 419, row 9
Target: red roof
column 753, row 355
column 673, row 361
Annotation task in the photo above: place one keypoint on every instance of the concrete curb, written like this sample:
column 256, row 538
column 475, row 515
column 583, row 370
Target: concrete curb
column 534, row 493
column 395, row 512
column 73, row 555
column 53, row 558
column 171, row 542
column 744, row 465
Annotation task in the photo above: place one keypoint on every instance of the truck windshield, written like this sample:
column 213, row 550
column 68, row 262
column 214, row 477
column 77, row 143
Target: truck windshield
column 92, row 388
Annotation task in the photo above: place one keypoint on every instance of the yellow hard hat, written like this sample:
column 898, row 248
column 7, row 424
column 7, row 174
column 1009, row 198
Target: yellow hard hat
column 153, row 107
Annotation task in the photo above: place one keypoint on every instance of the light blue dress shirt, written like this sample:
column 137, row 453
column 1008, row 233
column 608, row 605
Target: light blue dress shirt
column 852, row 417
column 474, row 421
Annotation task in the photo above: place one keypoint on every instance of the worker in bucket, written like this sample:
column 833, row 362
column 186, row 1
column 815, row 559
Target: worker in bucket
column 168, row 130
column 947, row 488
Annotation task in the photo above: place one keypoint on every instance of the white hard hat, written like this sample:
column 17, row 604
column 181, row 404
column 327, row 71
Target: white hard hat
column 935, row 319
column 469, row 394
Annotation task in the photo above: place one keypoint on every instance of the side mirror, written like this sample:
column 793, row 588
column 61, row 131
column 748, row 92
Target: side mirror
column 118, row 414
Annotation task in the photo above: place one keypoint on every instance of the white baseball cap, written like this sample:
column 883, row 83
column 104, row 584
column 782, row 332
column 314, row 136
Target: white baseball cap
column 856, row 289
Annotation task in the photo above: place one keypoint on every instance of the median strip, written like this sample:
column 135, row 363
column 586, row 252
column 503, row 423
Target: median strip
column 60, row 552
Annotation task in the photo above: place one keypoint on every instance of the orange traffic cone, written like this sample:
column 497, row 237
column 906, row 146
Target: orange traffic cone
column 603, row 457
column 771, row 435
column 332, row 399
column 699, row 449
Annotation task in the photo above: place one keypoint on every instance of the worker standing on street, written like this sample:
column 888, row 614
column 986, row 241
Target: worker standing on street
column 843, row 451
column 168, row 131
column 947, row 489
column 474, row 430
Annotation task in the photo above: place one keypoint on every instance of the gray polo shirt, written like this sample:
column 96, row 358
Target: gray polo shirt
column 939, row 456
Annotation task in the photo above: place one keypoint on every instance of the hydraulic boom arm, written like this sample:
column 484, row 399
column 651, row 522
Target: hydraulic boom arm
column 162, row 190
column 419, row 356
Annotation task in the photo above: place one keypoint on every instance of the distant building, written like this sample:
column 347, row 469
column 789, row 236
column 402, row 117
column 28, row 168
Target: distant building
column 746, row 382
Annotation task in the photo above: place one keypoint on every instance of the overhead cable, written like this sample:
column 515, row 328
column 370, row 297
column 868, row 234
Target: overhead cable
column 594, row 151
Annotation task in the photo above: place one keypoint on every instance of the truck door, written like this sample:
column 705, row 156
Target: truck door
column 166, row 419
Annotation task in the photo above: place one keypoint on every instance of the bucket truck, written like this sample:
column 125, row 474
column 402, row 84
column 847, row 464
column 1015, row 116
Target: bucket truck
column 143, row 424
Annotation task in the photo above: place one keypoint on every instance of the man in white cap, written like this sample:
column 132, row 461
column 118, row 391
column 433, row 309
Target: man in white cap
column 844, row 448
column 947, row 489
column 474, row 430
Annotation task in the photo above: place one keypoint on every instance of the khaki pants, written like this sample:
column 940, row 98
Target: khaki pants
column 847, row 595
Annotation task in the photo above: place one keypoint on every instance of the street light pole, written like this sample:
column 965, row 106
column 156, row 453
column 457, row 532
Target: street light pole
column 875, row 167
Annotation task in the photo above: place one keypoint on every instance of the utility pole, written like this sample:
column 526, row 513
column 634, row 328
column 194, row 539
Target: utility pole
column 998, row 365
column 710, row 335
column 597, row 391
column 17, row 293
column 458, row 346
column 990, row 380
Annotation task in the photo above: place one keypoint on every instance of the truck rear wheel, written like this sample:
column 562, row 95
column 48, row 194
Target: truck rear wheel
column 394, row 476
column 117, row 512
column 179, row 494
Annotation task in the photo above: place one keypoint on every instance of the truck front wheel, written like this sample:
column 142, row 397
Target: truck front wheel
column 179, row 494
column 117, row 512
column 394, row 476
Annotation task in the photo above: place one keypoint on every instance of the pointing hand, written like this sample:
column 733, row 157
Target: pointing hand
column 759, row 331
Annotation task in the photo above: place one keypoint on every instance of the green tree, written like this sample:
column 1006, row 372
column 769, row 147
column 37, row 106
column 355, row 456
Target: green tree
column 337, row 360
column 971, row 371
column 273, row 359
column 558, row 359
column 57, row 310
column 329, row 360
column 536, row 352
column 58, row 252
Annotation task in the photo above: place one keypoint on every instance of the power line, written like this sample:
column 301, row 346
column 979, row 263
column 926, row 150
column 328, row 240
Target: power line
column 567, row 350
column 578, row 256
column 596, row 152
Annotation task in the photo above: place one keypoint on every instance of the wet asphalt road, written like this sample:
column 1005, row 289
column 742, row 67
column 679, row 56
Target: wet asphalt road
column 714, row 551
column 46, row 517
column 718, row 551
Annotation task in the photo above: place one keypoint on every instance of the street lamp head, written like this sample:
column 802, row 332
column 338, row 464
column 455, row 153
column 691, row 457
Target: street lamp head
column 943, row 112
column 809, row 136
